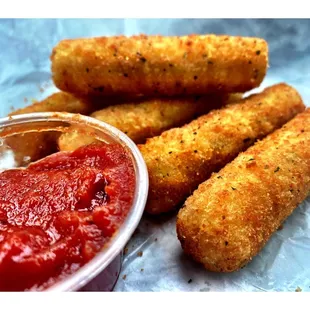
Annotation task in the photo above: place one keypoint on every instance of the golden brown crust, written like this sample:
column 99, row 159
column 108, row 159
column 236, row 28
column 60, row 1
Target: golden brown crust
column 33, row 146
column 74, row 138
column 58, row 102
column 157, row 65
column 231, row 216
column 149, row 118
column 181, row 158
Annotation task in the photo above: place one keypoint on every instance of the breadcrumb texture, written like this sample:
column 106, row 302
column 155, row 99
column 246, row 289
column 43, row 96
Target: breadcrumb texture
column 58, row 102
column 181, row 158
column 159, row 65
column 230, row 217
column 148, row 118
column 33, row 146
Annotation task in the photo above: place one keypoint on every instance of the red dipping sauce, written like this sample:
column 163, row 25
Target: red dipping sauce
column 59, row 212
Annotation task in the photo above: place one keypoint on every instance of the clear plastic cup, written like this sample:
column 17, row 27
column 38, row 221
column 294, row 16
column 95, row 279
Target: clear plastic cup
column 29, row 137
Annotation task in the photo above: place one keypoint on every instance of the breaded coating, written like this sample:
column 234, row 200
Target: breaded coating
column 33, row 146
column 181, row 158
column 58, row 102
column 151, row 117
column 157, row 65
column 148, row 118
column 231, row 216
column 74, row 138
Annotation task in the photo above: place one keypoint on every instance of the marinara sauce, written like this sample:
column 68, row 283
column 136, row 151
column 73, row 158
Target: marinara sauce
column 59, row 212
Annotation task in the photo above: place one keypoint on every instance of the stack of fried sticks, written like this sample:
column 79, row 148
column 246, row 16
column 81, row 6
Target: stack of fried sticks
column 181, row 100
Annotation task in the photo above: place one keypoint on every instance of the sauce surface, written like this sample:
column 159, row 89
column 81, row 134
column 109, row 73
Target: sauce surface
column 59, row 212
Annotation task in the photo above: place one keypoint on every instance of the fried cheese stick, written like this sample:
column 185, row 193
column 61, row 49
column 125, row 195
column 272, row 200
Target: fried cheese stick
column 231, row 216
column 32, row 146
column 182, row 158
column 157, row 65
column 58, row 102
column 148, row 118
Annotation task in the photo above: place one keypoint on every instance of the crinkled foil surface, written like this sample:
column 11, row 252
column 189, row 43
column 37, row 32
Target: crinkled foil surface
column 153, row 259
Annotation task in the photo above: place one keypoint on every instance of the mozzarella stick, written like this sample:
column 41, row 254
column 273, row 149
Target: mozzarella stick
column 181, row 158
column 231, row 216
column 58, row 102
column 148, row 118
column 156, row 65
column 32, row 146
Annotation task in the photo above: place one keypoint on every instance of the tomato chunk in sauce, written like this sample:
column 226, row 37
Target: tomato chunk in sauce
column 59, row 212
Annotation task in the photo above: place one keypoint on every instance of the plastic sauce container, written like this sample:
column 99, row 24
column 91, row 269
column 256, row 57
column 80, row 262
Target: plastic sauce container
column 29, row 137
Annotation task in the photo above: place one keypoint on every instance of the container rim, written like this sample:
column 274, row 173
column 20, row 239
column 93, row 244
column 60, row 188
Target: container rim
column 90, row 270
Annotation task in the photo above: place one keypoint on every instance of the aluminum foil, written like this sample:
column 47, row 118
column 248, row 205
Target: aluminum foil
column 153, row 259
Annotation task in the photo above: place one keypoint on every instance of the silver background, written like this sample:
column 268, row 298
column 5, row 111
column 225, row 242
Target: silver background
column 25, row 47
